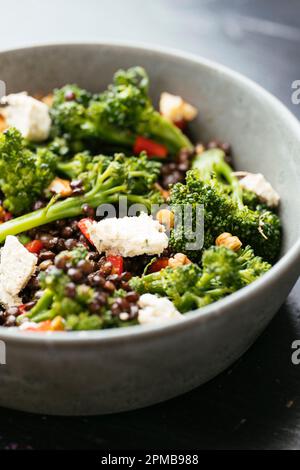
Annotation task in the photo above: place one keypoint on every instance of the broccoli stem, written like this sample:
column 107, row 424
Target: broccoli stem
column 164, row 131
column 237, row 192
column 115, row 136
column 67, row 208
column 213, row 160
column 40, row 309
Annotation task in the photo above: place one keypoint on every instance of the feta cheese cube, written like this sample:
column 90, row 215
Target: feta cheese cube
column 129, row 236
column 175, row 108
column 28, row 115
column 260, row 186
column 8, row 300
column 156, row 310
column 17, row 265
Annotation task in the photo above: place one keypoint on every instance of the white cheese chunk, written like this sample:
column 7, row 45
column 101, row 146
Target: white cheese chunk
column 260, row 186
column 8, row 300
column 175, row 108
column 155, row 310
column 28, row 115
column 17, row 265
column 129, row 236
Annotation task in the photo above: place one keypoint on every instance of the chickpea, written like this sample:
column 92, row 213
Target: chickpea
column 48, row 99
column 165, row 217
column 199, row 149
column 229, row 241
column 60, row 186
column 178, row 260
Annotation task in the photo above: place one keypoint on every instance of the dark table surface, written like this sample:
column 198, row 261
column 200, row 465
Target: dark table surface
column 255, row 404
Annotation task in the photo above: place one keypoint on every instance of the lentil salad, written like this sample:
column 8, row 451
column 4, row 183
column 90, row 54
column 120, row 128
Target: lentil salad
column 64, row 155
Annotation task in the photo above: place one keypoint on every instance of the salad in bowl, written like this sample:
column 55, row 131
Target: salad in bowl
column 111, row 216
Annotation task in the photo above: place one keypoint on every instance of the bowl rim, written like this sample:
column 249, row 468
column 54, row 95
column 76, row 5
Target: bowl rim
column 282, row 266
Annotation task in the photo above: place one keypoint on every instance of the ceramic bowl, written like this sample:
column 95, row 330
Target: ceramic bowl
column 123, row 369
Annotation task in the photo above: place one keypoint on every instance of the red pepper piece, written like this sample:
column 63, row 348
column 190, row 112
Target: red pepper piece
column 84, row 225
column 35, row 246
column 43, row 326
column 152, row 148
column 157, row 265
column 117, row 264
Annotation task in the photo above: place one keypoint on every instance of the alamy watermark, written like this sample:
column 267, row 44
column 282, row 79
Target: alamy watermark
column 2, row 353
column 2, row 89
column 295, row 357
column 186, row 221
column 295, row 96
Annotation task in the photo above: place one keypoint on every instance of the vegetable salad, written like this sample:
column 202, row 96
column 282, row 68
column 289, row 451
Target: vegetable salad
column 72, row 259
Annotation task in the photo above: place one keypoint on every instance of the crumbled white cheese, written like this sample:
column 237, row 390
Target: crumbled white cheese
column 260, row 186
column 28, row 324
column 175, row 108
column 17, row 265
column 129, row 236
column 8, row 300
column 28, row 115
column 155, row 310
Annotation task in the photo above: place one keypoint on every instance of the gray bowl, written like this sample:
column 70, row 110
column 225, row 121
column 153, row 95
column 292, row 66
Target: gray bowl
column 123, row 369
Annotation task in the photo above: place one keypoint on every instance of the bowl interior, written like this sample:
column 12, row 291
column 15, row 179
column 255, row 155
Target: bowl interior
column 262, row 133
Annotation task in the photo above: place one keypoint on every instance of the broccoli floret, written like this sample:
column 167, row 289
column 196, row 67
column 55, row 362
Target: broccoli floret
column 225, row 272
column 117, row 115
column 213, row 185
column 212, row 164
column 70, row 94
column 83, row 321
column 222, row 272
column 54, row 301
column 251, row 200
column 73, row 168
column 105, row 181
column 252, row 267
column 77, row 254
column 141, row 172
column 176, row 284
column 23, row 174
column 78, row 308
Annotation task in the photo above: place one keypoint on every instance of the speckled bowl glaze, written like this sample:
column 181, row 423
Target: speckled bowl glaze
column 123, row 369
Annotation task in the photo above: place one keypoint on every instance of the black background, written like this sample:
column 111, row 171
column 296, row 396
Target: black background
column 255, row 404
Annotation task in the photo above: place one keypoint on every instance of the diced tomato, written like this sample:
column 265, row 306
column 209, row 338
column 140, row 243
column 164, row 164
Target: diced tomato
column 152, row 148
column 83, row 226
column 117, row 263
column 180, row 124
column 22, row 309
column 157, row 265
column 35, row 246
column 43, row 326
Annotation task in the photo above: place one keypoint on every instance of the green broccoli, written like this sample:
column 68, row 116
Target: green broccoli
column 83, row 321
column 211, row 163
column 212, row 184
column 115, row 116
column 24, row 174
column 251, row 266
column 105, row 181
column 77, row 254
column 223, row 272
column 78, row 307
column 174, row 283
column 73, row 168
column 54, row 302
